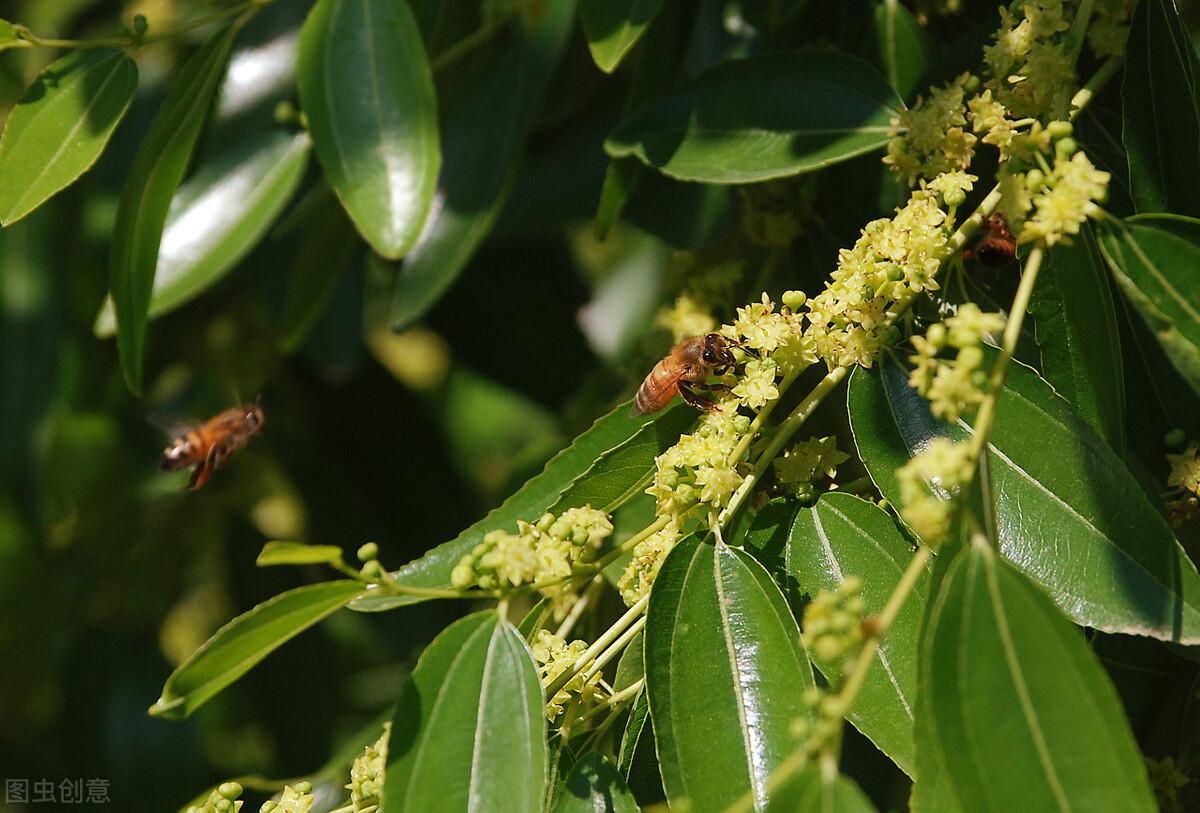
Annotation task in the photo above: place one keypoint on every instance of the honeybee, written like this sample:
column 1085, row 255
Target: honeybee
column 685, row 371
column 997, row 247
column 208, row 446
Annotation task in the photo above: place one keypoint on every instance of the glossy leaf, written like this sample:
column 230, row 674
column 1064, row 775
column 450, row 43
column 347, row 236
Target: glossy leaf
column 815, row 548
column 469, row 729
column 61, row 125
column 328, row 248
column 595, row 786
column 1161, row 126
column 770, row 116
column 149, row 188
column 367, row 90
column 726, row 675
column 477, row 173
column 613, row 27
column 1076, row 328
column 809, row 792
column 605, row 466
column 1069, row 514
column 1155, row 262
column 1024, row 716
column 243, row 642
column 217, row 216
column 900, row 47
column 631, row 667
column 297, row 553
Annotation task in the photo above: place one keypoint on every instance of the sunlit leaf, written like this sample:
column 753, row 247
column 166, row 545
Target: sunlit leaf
column 1068, row 512
column 61, row 125
column 595, row 786
column 217, row 216
column 769, row 116
column 149, row 188
column 726, row 675
column 297, row 553
column 1024, row 716
column 613, row 27
column 469, row 729
column 367, row 90
column 243, row 642
column 901, row 47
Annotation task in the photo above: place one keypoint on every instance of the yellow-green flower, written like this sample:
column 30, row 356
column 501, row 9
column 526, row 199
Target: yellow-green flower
column 928, row 483
column 1185, row 470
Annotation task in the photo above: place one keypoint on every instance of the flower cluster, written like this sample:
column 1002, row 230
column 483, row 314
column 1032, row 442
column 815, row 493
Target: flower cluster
column 823, row 724
column 930, row 137
column 1184, row 480
column 953, row 387
column 686, row 317
column 1061, row 200
column 1109, row 27
column 928, row 484
column 554, row 657
column 1029, row 68
column 298, row 799
column 648, row 557
column 833, row 621
column 809, row 460
column 367, row 773
column 893, row 260
column 223, row 799
column 541, row 551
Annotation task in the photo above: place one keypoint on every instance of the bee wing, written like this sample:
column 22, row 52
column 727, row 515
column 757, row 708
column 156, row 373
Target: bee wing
column 173, row 426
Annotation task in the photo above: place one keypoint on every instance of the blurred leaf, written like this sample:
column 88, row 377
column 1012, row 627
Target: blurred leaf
column 61, row 126
column 1156, row 268
column 146, row 197
column 469, row 729
column 639, row 716
column 595, row 786
column 613, row 27
column 808, row 791
column 769, row 116
column 817, row 548
column 477, row 172
column 1076, row 328
column 726, row 675
column 243, row 642
column 297, row 553
column 8, row 35
column 900, row 46
column 1069, row 513
column 217, row 216
column 1019, row 696
column 1161, row 126
column 367, row 90
column 631, row 667
column 328, row 248
column 533, row 619
column 625, row 301
column 605, row 466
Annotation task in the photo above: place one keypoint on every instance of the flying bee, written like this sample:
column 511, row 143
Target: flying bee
column 685, row 370
column 997, row 247
column 208, row 446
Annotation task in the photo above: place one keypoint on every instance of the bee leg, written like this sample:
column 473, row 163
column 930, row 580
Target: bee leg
column 200, row 476
column 695, row 399
column 712, row 387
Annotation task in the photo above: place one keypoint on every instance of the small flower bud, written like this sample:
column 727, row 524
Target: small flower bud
column 1065, row 148
column 954, row 197
column 303, row 787
column 268, row 806
column 285, row 112
column 971, row 85
column 936, row 335
column 795, row 299
column 1059, row 129
column 368, row 552
column 373, row 570
column 223, row 806
column 1175, row 438
column 1035, row 179
column 229, row 790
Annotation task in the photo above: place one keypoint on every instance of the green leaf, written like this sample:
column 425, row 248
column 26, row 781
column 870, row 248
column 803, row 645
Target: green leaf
column 328, row 248
column 1160, row 124
column 1069, row 514
column 217, row 216
column 61, row 125
column 900, row 47
column 595, row 786
column 469, row 728
column 605, row 466
column 809, row 792
column 815, row 548
column 613, row 27
column 631, row 667
column 477, row 173
column 8, row 35
column 367, row 90
column 146, row 198
column 243, row 642
column 1025, row 717
column 1076, row 328
column 726, row 675
column 297, row 553
column 1156, row 269
column 635, row 726
column 770, row 116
